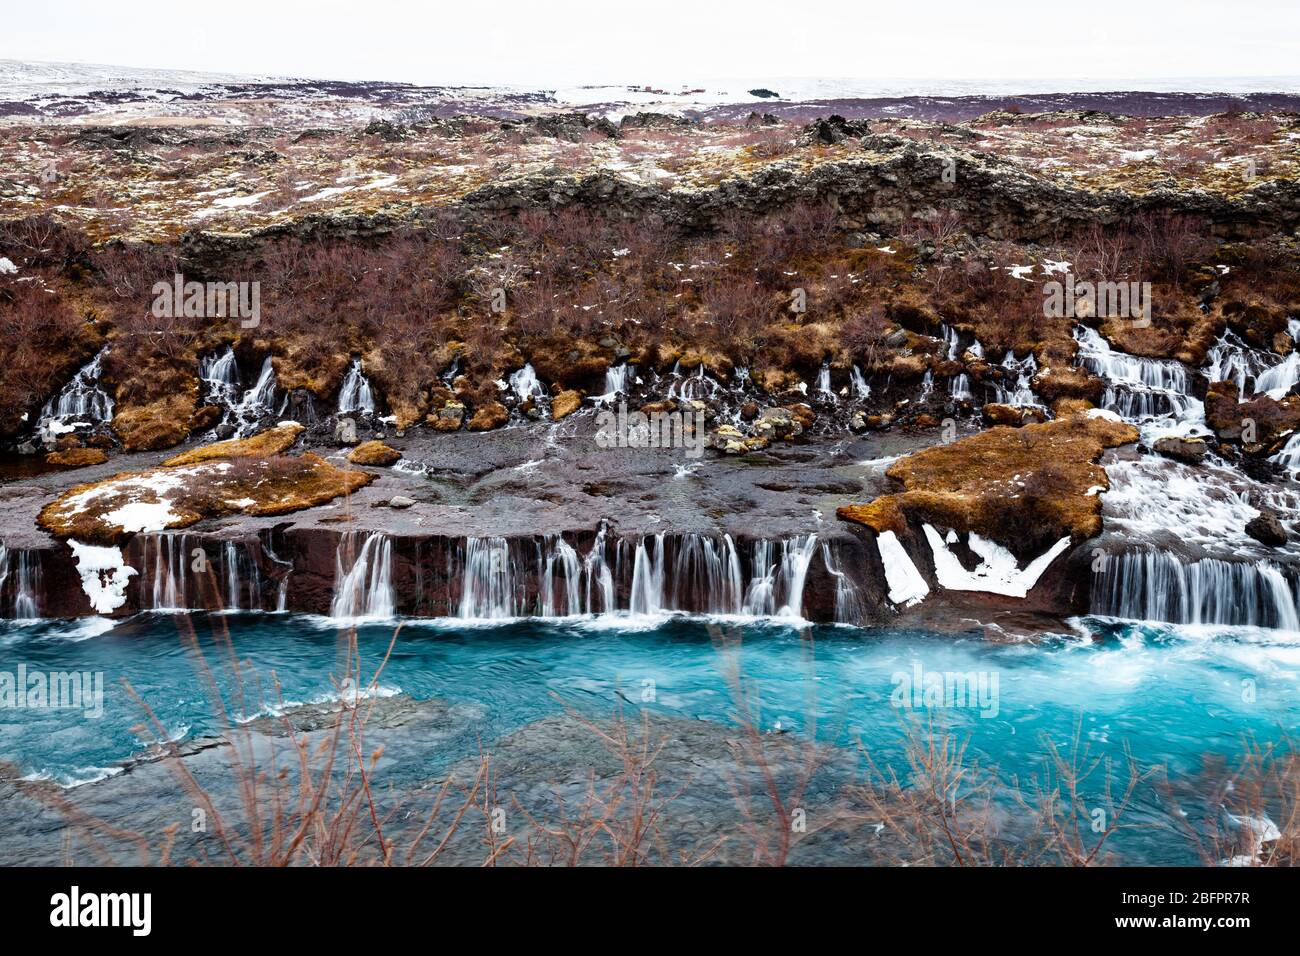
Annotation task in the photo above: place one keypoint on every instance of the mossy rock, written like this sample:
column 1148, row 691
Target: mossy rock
column 1023, row 487
column 273, row 441
column 374, row 453
column 77, row 457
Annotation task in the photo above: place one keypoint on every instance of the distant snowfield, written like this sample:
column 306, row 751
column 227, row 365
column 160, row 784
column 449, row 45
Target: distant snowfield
column 41, row 83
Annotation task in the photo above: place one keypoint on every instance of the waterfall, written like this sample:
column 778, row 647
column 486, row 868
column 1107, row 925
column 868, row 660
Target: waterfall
column 599, row 577
column 355, row 395
column 849, row 606
column 796, row 556
column 242, row 576
column 1289, row 456
column 219, row 374
column 1023, row 370
column 1254, row 371
column 561, row 554
column 776, row 583
column 860, row 387
column 693, row 386
column 1137, row 388
column 27, row 581
column 525, row 385
column 648, row 578
column 927, row 384
column 81, row 402
column 169, row 561
column 707, row 575
column 952, row 341
column 363, row 580
column 488, row 588
column 1155, row 585
column 959, row 387
column 618, row 379
column 824, row 383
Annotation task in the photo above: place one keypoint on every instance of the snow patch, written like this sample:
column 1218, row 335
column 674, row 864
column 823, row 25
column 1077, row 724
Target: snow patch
column 104, row 575
column 906, row 586
column 998, row 571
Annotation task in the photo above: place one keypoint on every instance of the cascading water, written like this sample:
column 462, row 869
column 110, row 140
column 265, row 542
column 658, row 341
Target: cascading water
column 849, row 606
column 777, row 582
column 1196, row 564
column 525, row 384
column 1139, row 389
column 488, row 589
column 697, row 385
column 1155, row 585
column 618, row 379
column 707, row 575
column 25, row 570
column 859, row 384
column 1022, row 370
column 245, row 411
column 81, row 402
column 1254, row 371
column 363, row 577
column 561, row 562
column 824, row 384
column 355, row 395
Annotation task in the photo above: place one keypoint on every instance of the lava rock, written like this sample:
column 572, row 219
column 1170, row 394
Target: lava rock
column 1267, row 529
column 1189, row 450
column 345, row 432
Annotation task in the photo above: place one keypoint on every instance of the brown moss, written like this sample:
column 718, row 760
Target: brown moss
column 159, row 424
column 273, row 441
column 489, row 416
column 566, row 403
column 1021, row 487
column 76, row 457
column 1256, row 423
column 373, row 453
column 252, row 486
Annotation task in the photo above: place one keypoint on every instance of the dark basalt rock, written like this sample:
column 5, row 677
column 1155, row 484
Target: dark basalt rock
column 1267, row 529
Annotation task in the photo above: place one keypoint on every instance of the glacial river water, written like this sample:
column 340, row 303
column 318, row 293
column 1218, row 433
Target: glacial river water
column 1186, row 699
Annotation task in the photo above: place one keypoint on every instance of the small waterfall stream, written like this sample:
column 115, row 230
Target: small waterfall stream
column 524, row 383
column 363, row 576
column 81, row 402
column 23, row 568
column 355, row 395
column 1022, row 370
column 245, row 411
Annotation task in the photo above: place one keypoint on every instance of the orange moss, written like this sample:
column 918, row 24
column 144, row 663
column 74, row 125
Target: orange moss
column 1018, row 486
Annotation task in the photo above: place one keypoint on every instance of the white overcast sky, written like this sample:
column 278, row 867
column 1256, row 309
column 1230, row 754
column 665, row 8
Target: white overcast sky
column 664, row 41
